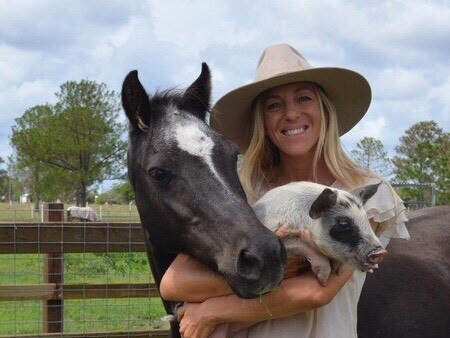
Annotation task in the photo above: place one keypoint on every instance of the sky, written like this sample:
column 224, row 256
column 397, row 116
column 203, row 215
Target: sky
column 401, row 47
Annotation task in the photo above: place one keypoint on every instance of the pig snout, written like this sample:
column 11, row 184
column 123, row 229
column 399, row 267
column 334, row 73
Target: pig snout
column 374, row 258
column 377, row 255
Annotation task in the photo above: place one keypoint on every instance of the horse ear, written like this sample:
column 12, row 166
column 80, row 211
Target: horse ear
column 322, row 203
column 135, row 101
column 365, row 193
column 197, row 96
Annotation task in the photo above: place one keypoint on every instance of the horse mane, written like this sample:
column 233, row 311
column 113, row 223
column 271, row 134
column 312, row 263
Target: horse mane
column 163, row 98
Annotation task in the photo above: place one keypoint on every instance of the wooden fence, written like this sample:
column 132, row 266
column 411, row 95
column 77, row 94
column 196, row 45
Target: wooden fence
column 53, row 237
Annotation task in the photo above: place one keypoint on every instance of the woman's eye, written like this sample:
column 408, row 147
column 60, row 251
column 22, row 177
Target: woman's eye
column 159, row 175
column 274, row 106
column 304, row 98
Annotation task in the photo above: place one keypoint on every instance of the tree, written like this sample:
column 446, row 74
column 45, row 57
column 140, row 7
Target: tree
column 4, row 182
column 75, row 143
column 370, row 154
column 40, row 181
column 120, row 193
column 423, row 157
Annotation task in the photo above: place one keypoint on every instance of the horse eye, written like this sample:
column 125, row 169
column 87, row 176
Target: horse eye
column 159, row 175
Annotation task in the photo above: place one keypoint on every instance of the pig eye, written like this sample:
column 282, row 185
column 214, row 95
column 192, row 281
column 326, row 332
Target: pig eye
column 344, row 224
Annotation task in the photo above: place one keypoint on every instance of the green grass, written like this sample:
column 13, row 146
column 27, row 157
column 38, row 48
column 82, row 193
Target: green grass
column 21, row 317
column 108, row 212
column 90, row 315
column 131, row 314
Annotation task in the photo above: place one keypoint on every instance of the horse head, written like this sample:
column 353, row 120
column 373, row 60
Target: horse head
column 187, row 189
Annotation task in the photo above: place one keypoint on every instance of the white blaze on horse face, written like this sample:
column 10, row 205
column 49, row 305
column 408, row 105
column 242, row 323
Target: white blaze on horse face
column 196, row 142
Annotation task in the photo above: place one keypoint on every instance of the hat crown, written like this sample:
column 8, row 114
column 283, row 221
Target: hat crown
column 279, row 59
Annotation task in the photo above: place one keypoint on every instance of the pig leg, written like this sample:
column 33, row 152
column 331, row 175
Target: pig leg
column 320, row 265
column 336, row 267
column 295, row 243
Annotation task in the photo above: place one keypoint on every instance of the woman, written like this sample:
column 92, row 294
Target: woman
column 287, row 123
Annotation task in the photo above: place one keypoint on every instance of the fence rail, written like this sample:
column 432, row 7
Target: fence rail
column 70, row 237
column 53, row 238
column 53, row 291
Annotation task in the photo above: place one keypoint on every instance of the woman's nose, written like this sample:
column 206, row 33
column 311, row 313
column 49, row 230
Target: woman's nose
column 292, row 111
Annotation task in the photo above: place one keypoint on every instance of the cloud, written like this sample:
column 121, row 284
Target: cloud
column 401, row 47
column 399, row 83
column 371, row 127
column 187, row 24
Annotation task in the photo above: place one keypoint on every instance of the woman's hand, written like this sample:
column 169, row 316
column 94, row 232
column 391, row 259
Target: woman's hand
column 195, row 321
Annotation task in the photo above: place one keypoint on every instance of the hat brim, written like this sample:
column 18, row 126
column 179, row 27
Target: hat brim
column 349, row 91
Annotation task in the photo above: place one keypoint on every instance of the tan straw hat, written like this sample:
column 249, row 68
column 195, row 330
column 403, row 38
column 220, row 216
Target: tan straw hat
column 281, row 64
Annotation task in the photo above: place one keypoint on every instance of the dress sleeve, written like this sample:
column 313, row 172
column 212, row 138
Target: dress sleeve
column 387, row 208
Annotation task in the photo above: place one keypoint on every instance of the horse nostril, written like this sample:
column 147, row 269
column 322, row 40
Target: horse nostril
column 249, row 265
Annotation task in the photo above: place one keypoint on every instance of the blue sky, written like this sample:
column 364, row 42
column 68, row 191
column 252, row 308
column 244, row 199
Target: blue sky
column 401, row 47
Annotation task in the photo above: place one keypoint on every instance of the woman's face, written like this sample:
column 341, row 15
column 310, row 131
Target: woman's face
column 292, row 118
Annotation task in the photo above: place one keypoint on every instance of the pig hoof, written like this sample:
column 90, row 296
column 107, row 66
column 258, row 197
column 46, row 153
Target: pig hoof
column 337, row 268
column 323, row 280
column 322, row 275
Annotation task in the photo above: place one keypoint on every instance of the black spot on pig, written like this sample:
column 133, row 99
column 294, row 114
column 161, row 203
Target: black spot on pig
column 343, row 230
column 365, row 193
column 323, row 203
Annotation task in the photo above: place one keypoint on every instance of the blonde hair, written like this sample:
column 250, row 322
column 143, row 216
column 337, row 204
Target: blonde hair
column 262, row 155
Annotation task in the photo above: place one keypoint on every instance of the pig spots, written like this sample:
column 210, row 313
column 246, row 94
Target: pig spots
column 345, row 231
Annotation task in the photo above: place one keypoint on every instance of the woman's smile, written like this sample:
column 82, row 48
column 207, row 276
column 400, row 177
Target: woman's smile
column 299, row 131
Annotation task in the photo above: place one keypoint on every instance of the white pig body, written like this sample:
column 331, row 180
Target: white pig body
column 322, row 223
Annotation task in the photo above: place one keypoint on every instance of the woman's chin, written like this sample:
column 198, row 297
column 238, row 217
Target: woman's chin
column 296, row 151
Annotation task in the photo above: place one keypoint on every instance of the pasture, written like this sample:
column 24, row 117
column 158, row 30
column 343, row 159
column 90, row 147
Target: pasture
column 80, row 315
column 108, row 212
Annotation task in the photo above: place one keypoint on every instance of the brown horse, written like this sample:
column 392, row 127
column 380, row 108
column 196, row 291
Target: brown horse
column 409, row 296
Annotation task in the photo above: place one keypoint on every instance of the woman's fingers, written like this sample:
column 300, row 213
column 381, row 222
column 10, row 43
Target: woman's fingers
column 180, row 313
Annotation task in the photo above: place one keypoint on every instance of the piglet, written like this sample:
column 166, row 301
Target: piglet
column 322, row 224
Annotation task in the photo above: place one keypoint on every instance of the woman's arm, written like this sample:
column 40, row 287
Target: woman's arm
column 293, row 296
column 188, row 280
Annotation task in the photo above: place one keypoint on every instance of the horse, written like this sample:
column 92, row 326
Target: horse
column 188, row 194
column 409, row 295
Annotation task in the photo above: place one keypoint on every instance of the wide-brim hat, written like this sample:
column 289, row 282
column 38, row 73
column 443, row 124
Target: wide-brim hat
column 281, row 64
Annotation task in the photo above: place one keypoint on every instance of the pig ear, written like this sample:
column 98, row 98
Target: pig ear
column 324, row 202
column 197, row 96
column 135, row 101
column 365, row 193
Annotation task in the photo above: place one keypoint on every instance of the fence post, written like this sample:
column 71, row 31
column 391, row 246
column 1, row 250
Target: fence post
column 433, row 194
column 52, row 314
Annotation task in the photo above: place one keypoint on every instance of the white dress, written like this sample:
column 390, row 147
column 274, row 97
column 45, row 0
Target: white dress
column 338, row 319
